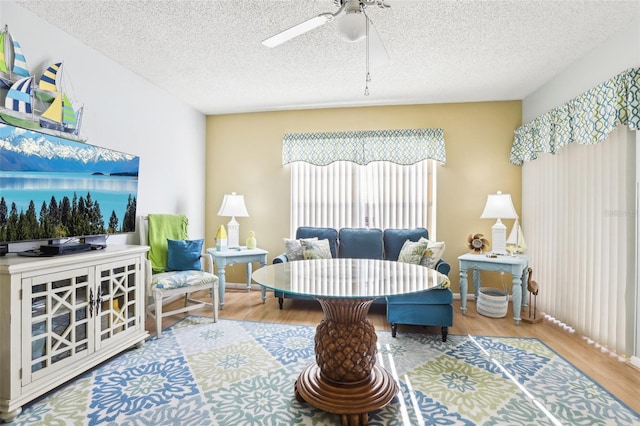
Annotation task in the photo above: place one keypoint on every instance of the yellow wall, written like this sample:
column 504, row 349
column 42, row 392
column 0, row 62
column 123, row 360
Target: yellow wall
column 244, row 154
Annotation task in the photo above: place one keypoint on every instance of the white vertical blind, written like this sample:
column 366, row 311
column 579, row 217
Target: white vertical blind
column 579, row 213
column 398, row 196
column 377, row 195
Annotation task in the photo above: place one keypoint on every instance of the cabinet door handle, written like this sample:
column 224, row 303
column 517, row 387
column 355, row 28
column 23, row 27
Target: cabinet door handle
column 90, row 303
column 99, row 301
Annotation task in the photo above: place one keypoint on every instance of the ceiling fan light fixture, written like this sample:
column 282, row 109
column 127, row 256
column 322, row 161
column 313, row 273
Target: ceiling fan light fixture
column 352, row 26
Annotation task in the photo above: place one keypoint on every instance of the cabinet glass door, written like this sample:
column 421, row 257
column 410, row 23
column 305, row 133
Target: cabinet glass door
column 57, row 314
column 118, row 299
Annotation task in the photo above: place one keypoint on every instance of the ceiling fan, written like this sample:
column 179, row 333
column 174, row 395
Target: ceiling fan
column 352, row 24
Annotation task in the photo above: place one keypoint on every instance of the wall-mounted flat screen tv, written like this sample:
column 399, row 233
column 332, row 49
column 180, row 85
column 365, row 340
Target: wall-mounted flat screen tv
column 53, row 188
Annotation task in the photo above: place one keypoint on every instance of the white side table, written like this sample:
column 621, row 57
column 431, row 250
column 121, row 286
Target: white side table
column 517, row 266
column 233, row 256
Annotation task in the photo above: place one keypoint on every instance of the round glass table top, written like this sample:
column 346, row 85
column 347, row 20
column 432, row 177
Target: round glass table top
column 349, row 278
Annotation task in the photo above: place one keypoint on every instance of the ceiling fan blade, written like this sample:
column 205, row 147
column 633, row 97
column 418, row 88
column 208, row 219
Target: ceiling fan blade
column 297, row 30
column 377, row 52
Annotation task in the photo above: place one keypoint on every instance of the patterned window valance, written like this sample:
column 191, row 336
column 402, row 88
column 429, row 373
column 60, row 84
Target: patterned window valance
column 587, row 119
column 404, row 146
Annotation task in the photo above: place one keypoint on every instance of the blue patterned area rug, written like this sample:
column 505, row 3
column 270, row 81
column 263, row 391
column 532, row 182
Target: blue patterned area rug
column 242, row 373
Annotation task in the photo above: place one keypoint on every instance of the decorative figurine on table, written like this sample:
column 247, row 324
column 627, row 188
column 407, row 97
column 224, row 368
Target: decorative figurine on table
column 515, row 242
column 251, row 240
column 532, row 288
column 221, row 239
column 477, row 243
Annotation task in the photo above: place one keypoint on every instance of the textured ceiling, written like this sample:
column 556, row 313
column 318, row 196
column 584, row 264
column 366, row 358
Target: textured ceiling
column 440, row 50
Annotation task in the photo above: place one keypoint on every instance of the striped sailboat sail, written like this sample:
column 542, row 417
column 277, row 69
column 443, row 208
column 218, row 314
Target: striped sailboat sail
column 19, row 61
column 13, row 65
column 68, row 114
column 3, row 55
column 50, row 83
column 60, row 115
column 49, row 79
column 19, row 96
column 12, row 59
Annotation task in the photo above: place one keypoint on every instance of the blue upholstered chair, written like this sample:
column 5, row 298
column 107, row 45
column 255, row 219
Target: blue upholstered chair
column 428, row 308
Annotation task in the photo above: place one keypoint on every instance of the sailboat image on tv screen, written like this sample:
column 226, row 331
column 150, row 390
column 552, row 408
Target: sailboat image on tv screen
column 13, row 65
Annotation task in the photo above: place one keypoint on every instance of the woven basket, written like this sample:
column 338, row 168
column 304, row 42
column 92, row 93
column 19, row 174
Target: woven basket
column 492, row 302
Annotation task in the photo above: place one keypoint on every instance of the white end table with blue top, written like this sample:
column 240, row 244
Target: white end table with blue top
column 226, row 257
column 517, row 266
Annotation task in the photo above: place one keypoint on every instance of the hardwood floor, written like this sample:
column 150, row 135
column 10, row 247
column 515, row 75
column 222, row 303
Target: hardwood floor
column 620, row 378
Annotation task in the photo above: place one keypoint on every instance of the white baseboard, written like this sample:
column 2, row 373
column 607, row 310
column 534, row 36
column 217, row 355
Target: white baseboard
column 635, row 361
column 471, row 296
column 242, row 286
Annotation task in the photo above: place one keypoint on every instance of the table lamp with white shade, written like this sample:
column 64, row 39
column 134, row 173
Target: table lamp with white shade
column 233, row 206
column 499, row 206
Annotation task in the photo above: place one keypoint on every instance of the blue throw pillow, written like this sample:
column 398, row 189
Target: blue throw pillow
column 184, row 255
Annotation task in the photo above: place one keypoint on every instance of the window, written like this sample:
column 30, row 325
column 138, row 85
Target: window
column 377, row 195
column 370, row 178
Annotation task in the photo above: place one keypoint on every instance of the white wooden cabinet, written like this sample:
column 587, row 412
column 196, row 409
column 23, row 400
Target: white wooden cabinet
column 61, row 316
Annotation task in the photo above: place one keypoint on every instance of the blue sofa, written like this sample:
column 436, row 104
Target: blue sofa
column 428, row 308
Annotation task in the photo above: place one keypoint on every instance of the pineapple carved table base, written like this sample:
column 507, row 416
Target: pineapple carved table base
column 345, row 379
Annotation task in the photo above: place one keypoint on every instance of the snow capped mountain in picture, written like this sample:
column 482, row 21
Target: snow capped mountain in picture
column 26, row 150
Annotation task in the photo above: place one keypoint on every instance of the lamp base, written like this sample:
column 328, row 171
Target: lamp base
column 233, row 233
column 499, row 238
